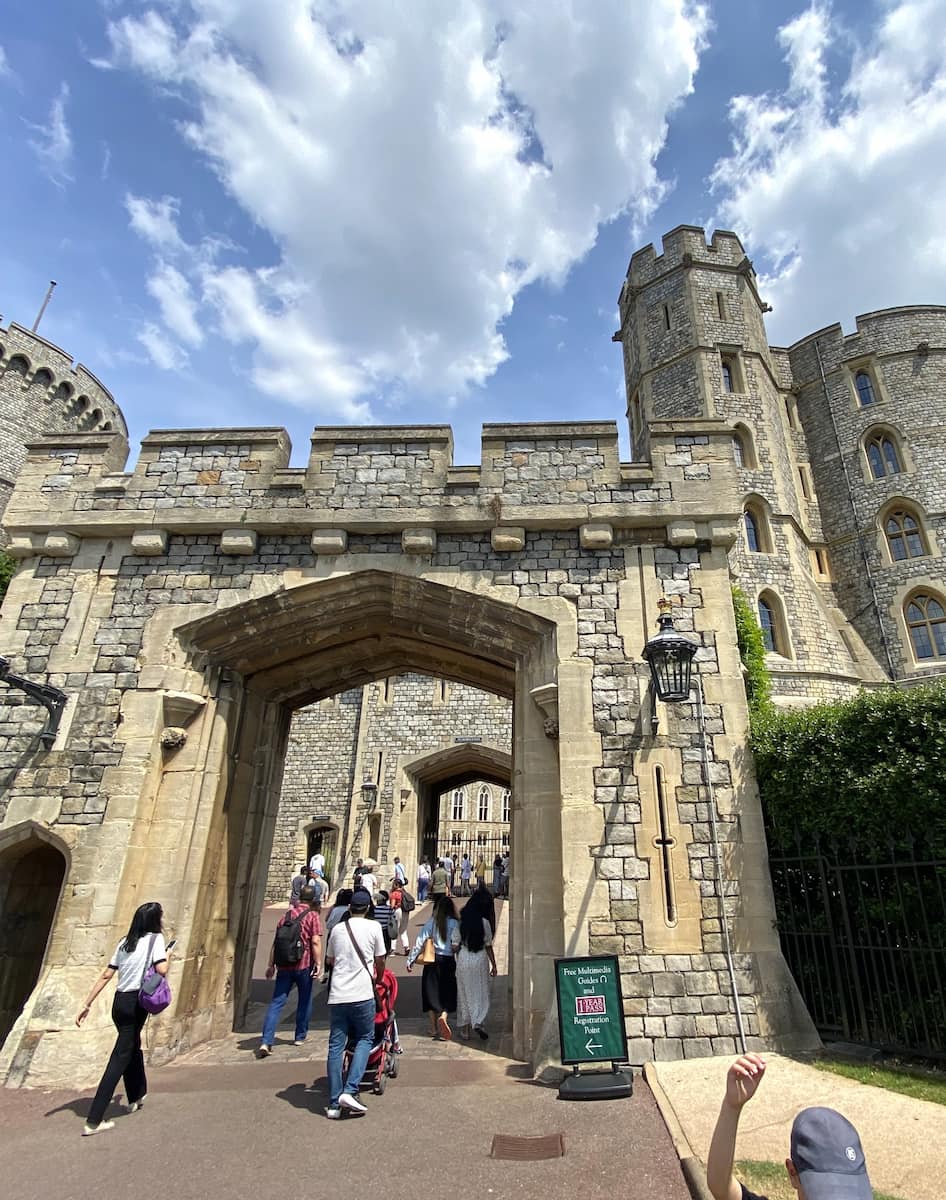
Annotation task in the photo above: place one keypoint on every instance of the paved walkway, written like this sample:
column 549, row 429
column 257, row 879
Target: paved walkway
column 230, row 1129
column 903, row 1139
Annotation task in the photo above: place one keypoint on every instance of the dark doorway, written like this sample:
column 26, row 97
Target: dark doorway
column 31, row 875
column 323, row 839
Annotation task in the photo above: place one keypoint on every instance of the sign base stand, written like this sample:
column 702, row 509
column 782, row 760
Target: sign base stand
column 596, row 1085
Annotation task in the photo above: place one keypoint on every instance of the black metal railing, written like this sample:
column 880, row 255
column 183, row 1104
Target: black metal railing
column 864, row 934
column 434, row 846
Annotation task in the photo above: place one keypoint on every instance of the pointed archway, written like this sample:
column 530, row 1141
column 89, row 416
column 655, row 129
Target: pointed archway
column 286, row 650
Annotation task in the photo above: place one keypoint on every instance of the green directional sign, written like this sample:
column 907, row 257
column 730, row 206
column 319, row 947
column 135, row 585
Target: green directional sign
column 590, row 1012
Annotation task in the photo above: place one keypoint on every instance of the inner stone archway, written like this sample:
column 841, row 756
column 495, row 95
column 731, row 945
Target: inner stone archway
column 434, row 772
column 289, row 649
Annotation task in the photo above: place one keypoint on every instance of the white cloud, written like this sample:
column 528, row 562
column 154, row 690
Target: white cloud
column 176, row 301
column 842, row 190
column 155, row 221
column 53, row 142
column 161, row 350
column 5, row 69
column 417, row 166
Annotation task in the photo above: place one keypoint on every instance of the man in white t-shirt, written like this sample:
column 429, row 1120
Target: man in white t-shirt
column 355, row 954
column 317, row 863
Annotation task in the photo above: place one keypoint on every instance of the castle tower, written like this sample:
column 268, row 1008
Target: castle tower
column 695, row 348
column 41, row 392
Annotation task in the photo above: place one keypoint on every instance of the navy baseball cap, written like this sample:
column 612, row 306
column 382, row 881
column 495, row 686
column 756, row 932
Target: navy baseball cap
column 360, row 898
column 828, row 1157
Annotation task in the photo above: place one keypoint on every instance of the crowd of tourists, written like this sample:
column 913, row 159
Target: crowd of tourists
column 826, row 1159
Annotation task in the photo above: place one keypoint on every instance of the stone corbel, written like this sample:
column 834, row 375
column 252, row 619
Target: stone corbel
column 545, row 699
column 507, row 539
column 419, row 541
column 180, row 708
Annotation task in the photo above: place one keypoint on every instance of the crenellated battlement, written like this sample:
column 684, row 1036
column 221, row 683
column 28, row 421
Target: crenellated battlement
column 556, row 475
column 918, row 329
column 680, row 244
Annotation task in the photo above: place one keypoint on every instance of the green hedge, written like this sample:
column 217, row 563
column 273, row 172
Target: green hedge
column 871, row 768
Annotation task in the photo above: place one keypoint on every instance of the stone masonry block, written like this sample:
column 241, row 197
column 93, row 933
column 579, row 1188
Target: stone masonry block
column 238, row 541
column 419, row 541
column 149, row 541
column 61, row 545
column 508, row 539
column 596, row 535
column 328, row 541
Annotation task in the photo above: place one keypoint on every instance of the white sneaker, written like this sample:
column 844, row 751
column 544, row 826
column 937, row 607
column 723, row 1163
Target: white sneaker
column 135, row 1105
column 265, row 1051
column 91, row 1130
column 333, row 1112
column 352, row 1103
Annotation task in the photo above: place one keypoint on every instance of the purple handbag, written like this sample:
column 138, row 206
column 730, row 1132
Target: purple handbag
column 154, row 995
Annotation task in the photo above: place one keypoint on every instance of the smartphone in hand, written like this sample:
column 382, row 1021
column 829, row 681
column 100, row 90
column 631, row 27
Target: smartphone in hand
column 170, row 946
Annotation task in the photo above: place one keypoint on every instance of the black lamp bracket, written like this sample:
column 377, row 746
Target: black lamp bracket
column 53, row 699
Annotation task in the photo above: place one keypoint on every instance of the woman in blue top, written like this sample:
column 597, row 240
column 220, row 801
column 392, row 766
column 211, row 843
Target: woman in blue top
column 439, row 981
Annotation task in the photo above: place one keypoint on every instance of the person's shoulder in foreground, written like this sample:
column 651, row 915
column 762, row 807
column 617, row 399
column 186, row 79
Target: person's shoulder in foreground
column 825, row 1162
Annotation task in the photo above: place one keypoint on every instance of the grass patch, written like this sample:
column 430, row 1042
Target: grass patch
column 771, row 1179
column 893, row 1077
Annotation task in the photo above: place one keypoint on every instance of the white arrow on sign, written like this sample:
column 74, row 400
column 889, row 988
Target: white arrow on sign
column 590, row 1045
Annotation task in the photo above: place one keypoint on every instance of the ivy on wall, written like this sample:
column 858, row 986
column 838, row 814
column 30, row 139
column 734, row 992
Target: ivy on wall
column 752, row 653
column 7, row 567
column 871, row 768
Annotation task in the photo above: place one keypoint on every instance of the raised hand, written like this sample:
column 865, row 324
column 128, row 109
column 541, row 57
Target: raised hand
column 743, row 1079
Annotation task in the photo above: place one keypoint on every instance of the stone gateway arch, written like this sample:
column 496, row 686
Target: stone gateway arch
column 188, row 606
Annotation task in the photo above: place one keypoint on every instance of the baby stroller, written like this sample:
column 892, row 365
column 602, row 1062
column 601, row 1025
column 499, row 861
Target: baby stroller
column 382, row 1061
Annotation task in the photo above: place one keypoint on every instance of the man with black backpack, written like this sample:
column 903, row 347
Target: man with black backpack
column 295, row 958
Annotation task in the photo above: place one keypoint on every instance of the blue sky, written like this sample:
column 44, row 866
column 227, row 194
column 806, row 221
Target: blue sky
column 301, row 214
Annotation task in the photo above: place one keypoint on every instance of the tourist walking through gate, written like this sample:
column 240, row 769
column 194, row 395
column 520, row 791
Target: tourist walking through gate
column 439, row 981
column 497, row 874
column 466, row 873
column 423, row 880
column 476, row 965
column 479, row 870
column 383, row 913
column 355, row 946
column 403, row 904
column 142, row 947
column 294, row 958
column 439, row 882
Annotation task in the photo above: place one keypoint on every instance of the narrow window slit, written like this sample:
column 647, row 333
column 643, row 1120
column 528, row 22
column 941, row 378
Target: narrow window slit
column 665, row 842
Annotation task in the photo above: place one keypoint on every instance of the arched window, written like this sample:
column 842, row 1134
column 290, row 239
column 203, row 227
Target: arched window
column 882, row 455
column 738, row 449
column 19, row 365
column 904, row 535
column 483, row 806
column 926, row 621
column 757, row 538
column 458, row 804
column 727, row 376
column 767, row 623
column 505, row 805
column 865, row 388
column 772, row 624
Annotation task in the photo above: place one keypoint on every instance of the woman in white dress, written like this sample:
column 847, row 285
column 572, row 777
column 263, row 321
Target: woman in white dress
column 476, row 964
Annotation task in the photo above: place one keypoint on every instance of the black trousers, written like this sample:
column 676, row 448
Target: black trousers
column 126, row 1062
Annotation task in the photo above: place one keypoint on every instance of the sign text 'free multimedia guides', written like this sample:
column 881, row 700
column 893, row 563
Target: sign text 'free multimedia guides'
column 590, row 1010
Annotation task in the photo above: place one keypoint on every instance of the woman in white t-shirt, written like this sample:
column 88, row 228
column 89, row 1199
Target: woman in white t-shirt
column 141, row 947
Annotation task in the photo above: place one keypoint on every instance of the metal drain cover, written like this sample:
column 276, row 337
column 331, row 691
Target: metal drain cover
column 528, row 1149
